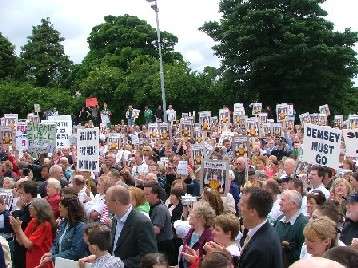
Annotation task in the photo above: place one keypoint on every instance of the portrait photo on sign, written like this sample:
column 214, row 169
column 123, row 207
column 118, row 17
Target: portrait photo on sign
column 215, row 175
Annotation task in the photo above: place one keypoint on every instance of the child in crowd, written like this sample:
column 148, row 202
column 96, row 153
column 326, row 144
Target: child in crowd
column 99, row 239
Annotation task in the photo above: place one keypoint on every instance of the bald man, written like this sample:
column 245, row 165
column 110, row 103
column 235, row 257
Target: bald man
column 316, row 262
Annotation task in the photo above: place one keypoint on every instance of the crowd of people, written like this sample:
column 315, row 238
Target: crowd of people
column 139, row 211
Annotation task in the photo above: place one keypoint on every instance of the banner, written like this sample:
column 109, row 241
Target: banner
column 321, row 145
column 63, row 130
column 351, row 140
column 88, row 149
column 22, row 142
column 42, row 138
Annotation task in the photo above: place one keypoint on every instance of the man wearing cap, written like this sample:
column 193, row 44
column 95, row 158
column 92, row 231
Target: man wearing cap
column 350, row 227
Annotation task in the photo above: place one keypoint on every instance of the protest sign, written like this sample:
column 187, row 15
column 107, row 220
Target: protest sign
column 197, row 151
column 324, row 109
column 114, row 140
column 37, row 108
column 256, row 108
column 10, row 120
column 182, row 168
column 338, row 121
column 63, row 130
column 88, row 149
column 215, row 175
column 42, row 138
column 7, row 196
column 321, row 145
column 91, row 102
column 224, row 116
column 22, row 142
column 351, row 139
column 205, row 120
column 7, row 135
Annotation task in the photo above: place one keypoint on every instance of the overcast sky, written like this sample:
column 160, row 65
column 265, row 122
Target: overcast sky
column 75, row 19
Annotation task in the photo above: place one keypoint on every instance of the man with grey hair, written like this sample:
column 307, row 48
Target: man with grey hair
column 56, row 172
column 290, row 225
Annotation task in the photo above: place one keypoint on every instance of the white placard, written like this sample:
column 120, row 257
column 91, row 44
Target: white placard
column 351, row 140
column 66, row 263
column 182, row 168
column 88, row 149
column 7, row 195
column 321, row 145
column 63, row 130
column 22, row 142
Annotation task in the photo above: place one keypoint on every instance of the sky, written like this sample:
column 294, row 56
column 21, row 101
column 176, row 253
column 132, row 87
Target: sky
column 74, row 19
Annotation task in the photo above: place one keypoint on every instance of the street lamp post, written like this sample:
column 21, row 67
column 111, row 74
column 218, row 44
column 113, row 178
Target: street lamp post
column 161, row 69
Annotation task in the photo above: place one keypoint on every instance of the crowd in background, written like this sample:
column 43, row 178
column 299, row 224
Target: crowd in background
column 137, row 211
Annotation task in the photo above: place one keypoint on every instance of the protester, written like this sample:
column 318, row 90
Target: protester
column 27, row 190
column 130, row 228
column 350, row 227
column 38, row 235
column 320, row 235
column 69, row 243
column 261, row 245
column 290, row 226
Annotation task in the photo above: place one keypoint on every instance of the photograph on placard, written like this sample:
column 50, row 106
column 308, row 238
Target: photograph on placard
column 205, row 120
column 324, row 109
column 224, row 116
column 240, row 145
column 256, row 108
column 197, row 151
column 163, row 131
column 251, row 127
column 186, row 129
column 338, row 121
column 281, row 112
column 215, row 175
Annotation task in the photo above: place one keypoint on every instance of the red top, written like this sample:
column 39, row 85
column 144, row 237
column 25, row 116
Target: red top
column 54, row 202
column 41, row 237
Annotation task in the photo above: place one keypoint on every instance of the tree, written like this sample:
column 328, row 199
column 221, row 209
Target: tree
column 43, row 58
column 119, row 40
column 7, row 58
column 283, row 51
column 19, row 98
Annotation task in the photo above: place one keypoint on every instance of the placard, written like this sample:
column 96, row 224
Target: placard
column 63, row 130
column 182, row 168
column 351, row 139
column 22, row 142
column 7, row 195
column 88, row 149
column 42, row 139
column 321, row 145
column 215, row 176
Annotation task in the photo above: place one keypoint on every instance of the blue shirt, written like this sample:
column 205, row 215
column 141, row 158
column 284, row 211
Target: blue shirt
column 121, row 220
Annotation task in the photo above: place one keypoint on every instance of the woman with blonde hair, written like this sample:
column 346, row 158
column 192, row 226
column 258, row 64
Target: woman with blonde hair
column 201, row 219
column 320, row 235
column 340, row 190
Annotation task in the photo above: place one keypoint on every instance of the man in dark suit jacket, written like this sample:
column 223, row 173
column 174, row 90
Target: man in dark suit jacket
column 260, row 244
column 133, row 233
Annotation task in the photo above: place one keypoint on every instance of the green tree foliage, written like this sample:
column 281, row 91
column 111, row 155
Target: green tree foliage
column 119, row 40
column 19, row 98
column 7, row 58
column 43, row 59
column 283, row 51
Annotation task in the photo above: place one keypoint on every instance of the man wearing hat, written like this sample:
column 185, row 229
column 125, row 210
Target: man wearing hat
column 350, row 227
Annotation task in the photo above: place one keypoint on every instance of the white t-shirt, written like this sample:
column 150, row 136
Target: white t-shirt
column 171, row 115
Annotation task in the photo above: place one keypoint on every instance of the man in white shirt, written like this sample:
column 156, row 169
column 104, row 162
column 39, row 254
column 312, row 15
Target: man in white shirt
column 315, row 177
column 171, row 114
